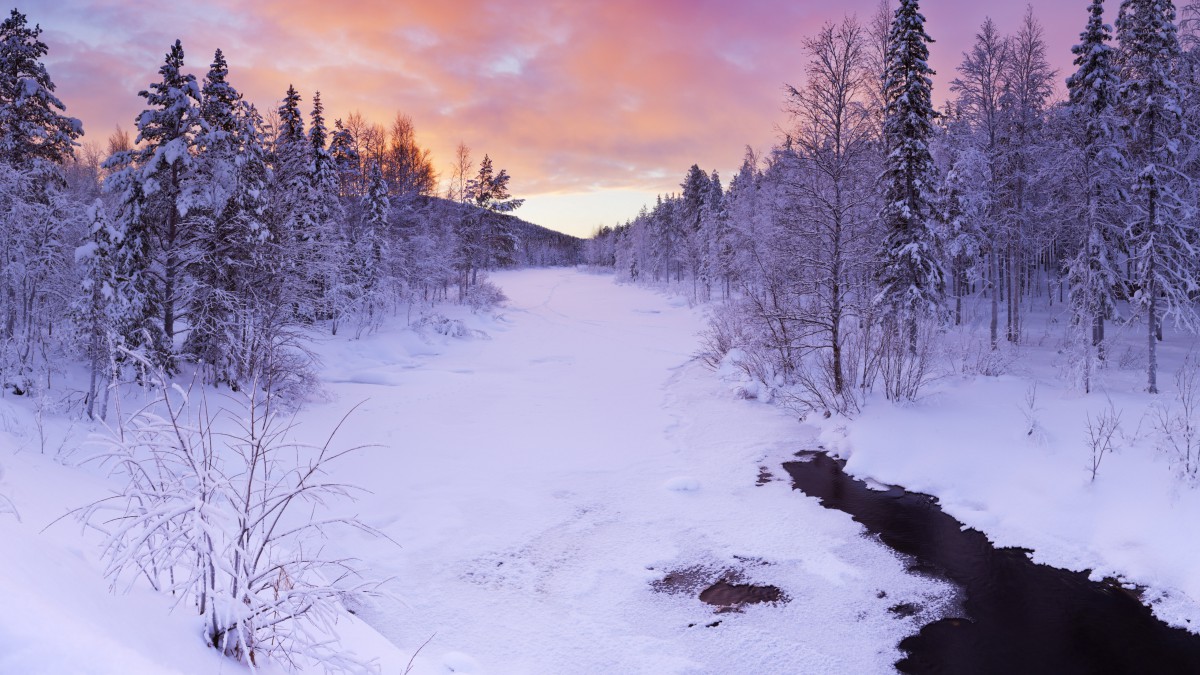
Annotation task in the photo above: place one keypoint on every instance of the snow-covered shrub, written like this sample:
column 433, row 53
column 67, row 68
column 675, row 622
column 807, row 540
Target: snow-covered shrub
column 971, row 355
column 272, row 352
column 726, row 331
column 1031, row 411
column 222, row 509
column 443, row 325
column 1132, row 359
column 484, row 295
column 1177, row 424
column 905, row 373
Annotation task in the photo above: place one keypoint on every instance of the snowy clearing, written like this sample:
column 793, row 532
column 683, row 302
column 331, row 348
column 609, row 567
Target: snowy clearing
column 538, row 478
column 539, row 482
column 561, row 481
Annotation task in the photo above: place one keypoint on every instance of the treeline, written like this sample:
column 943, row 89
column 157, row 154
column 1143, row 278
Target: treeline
column 847, row 248
column 220, row 235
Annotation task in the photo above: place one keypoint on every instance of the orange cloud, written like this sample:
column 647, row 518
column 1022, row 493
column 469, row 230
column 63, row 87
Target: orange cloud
column 571, row 96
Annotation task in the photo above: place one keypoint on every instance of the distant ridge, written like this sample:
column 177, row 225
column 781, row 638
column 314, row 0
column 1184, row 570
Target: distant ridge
column 537, row 246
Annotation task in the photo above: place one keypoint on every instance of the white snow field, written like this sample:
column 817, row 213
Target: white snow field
column 536, row 477
column 536, row 482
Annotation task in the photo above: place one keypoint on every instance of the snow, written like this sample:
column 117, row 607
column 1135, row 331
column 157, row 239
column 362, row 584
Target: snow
column 539, row 482
column 970, row 443
column 536, row 487
column 533, row 487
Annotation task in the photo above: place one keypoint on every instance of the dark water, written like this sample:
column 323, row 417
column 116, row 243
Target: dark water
column 1022, row 617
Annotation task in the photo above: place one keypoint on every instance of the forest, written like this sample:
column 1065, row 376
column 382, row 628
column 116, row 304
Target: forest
column 285, row 378
column 219, row 236
column 878, row 220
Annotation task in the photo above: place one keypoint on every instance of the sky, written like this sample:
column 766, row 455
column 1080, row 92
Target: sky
column 593, row 106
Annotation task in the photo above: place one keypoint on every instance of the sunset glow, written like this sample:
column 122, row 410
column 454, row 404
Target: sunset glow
column 580, row 101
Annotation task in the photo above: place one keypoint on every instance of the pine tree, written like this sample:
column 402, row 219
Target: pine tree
column 695, row 187
column 485, row 238
column 1160, row 233
column 93, row 309
column 152, row 184
column 911, row 276
column 346, row 160
column 32, row 123
column 36, row 140
column 1093, row 89
column 230, row 178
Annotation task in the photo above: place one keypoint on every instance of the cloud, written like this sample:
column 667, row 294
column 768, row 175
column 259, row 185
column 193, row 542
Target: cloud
column 571, row 96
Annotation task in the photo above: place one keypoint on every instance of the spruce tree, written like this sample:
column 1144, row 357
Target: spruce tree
column 152, row 182
column 1159, row 233
column 346, row 160
column 326, row 252
column 32, row 120
column 911, row 276
column 228, row 228
column 1092, row 90
column 93, row 309
column 367, row 252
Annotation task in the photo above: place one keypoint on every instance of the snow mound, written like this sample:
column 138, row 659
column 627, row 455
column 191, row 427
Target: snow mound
column 683, row 484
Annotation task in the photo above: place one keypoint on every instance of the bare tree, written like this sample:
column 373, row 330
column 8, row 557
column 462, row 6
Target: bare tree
column 460, row 173
column 834, row 180
column 979, row 86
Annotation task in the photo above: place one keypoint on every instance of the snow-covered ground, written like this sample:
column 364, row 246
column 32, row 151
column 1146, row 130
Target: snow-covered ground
column 539, row 482
column 1009, row 455
column 535, row 480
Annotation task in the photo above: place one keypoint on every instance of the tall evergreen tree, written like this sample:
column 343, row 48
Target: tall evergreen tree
column 231, row 178
column 346, row 160
column 93, row 308
column 1160, row 231
column 1092, row 88
column 151, row 181
column 911, row 276
column 327, row 250
column 36, row 139
column 32, row 120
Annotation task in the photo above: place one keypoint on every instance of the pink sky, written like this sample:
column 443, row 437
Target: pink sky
column 592, row 106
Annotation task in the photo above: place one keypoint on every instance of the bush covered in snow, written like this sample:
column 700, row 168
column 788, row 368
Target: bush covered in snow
column 221, row 508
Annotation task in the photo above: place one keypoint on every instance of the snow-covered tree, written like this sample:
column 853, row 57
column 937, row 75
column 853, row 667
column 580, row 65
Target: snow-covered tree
column 911, row 276
column 365, row 264
column 32, row 121
column 485, row 238
column 1160, row 233
column 230, row 184
column 36, row 232
column 979, row 86
column 830, row 179
column 1029, row 81
column 1093, row 272
column 92, row 309
column 151, row 182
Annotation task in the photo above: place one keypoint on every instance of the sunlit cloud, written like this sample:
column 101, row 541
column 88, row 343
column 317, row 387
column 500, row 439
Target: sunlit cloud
column 577, row 99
